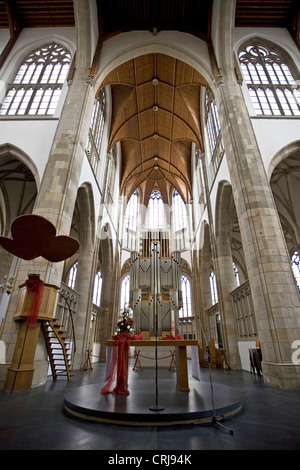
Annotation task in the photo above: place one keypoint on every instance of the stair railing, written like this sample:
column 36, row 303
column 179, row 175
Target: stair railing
column 66, row 311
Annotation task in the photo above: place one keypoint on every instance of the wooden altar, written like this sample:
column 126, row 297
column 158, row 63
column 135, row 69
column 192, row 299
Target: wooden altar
column 182, row 380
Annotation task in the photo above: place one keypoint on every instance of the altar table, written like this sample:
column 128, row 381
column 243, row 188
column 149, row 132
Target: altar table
column 182, row 380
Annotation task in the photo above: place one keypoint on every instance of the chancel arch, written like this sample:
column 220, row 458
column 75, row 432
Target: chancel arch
column 284, row 180
column 224, row 270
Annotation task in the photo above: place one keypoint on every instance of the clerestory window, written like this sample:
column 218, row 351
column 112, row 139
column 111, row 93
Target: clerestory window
column 213, row 130
column 97, row 289
column 296, row 267
column 125, row 291
column 186, row 310
column 236, row 274
column 37, row 85
column 213, row 288
column 96, row 129
column 156, row 211
column 179, row 212
column 271, row 85
column 72, row 275
column 131, row 213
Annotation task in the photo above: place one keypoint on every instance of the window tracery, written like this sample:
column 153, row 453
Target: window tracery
column 179, row 212
column 213, row 288
column 131, row 213
column 186, row 310
column 156, row 211
column 97, row 289
column 72, row 275
column 125, row 291
column 271, row 85
column 96, row 129
column 296, row 267
column 213, row 130
column 38, row 83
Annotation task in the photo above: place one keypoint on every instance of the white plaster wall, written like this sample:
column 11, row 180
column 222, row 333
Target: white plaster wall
column 274, row 134
column 33, row 137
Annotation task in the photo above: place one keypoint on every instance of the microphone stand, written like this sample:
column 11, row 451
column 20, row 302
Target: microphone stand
column 156, row 407
column 214, row 417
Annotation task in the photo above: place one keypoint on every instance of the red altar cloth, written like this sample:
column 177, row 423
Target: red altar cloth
column 119, row 365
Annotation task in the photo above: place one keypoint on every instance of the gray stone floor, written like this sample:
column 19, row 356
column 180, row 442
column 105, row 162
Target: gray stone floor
column 35, row 420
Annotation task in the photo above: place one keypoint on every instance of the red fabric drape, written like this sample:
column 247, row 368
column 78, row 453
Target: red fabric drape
column 170, row 337
column 119, row 367
column 34, row 284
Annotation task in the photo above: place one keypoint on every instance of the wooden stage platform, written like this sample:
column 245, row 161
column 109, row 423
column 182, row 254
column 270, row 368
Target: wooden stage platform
column 179, row 408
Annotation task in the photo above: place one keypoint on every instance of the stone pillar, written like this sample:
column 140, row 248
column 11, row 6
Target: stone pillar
column 84, row 285
column 205, row 259
column 108, row 305
column 57, row 196
column 227, row 284
column 275, row 296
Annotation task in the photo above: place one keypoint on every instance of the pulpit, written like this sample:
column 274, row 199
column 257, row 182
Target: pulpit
column 20, row 374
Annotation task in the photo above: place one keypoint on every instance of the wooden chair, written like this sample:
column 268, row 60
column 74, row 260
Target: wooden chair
column 216, row 356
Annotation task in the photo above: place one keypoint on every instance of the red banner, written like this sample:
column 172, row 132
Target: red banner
column 34, row 284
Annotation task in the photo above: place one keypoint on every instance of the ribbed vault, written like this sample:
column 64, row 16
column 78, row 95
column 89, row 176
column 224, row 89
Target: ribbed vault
column 156, row 117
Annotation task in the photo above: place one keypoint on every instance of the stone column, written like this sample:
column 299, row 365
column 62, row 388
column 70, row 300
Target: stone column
column 108, row 305
column 275, row 297
column 57, row 196
column 205, row 259
column 227, row 284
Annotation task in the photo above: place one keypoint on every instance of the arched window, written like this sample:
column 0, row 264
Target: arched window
column 131, row 213
column 213, row 288
column 37, row 86
column 96, row 130
column 213, row 129
column 236, row 274
column 155, row 211
column 270, row 82
column 72, row 275
column 125, row 291
column 179, row 212
column 97, row 289
column 186, row 310
column 296, row 267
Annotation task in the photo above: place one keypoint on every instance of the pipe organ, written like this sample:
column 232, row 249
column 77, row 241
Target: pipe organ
column 155, row 285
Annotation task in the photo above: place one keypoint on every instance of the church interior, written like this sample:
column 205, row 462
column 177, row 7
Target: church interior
column 149, row 225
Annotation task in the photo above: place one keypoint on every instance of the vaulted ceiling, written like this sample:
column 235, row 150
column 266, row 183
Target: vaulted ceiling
column 155, row 98
column 156, row 116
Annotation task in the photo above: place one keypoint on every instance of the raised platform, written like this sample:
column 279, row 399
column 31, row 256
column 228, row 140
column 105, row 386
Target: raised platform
column 180, row 408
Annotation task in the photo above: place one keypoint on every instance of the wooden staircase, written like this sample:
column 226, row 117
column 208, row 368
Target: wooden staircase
column 58, row 350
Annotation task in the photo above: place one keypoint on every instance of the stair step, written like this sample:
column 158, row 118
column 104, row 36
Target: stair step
column 59, row 350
